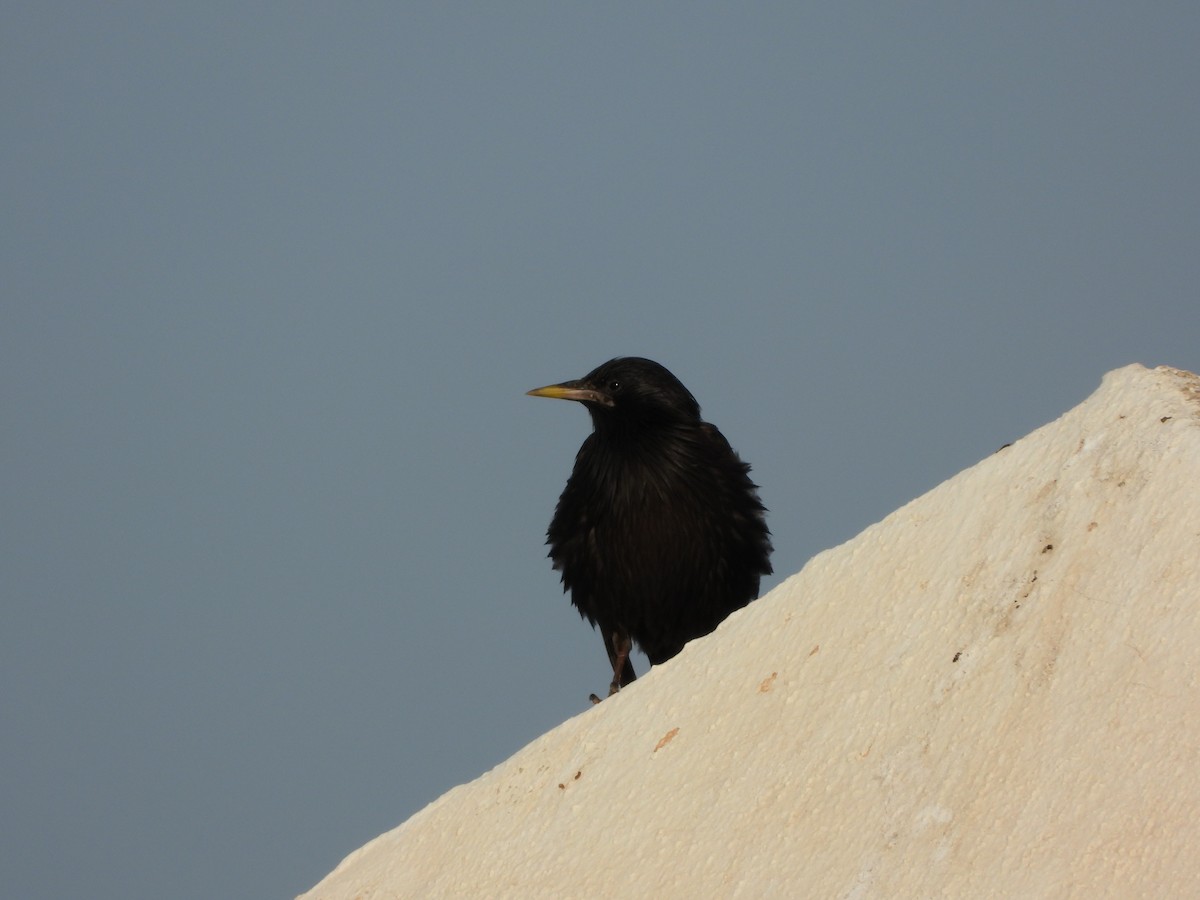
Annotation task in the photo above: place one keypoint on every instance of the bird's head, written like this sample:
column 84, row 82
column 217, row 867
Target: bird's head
column 628, row 390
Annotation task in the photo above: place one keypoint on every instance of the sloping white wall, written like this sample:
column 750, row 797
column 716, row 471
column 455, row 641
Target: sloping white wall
column 993, row 692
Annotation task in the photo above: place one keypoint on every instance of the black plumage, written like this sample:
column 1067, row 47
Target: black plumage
column 659, row 533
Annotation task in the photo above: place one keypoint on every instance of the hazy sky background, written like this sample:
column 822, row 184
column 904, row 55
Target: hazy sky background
column 276, row 278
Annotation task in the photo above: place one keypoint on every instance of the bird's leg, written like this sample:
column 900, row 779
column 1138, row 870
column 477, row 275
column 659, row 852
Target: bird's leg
column 618, row 643
column 621, row 643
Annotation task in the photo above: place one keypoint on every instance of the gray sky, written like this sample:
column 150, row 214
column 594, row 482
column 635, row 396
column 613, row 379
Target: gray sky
column 276, row 277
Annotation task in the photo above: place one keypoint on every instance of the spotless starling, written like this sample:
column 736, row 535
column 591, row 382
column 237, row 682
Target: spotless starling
column 659, row 533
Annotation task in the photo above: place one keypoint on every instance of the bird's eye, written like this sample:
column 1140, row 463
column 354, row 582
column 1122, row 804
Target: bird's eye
column 614, row 386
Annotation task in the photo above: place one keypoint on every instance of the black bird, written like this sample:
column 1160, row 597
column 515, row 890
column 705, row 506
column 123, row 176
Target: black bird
column 659, row 533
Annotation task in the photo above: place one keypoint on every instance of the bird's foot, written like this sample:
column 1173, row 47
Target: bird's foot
column 612, row 689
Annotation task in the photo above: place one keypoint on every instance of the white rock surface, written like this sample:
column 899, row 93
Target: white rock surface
column 991, row 693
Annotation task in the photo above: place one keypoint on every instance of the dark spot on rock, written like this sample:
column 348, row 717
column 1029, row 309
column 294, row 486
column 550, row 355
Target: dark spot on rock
column 956, row 656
